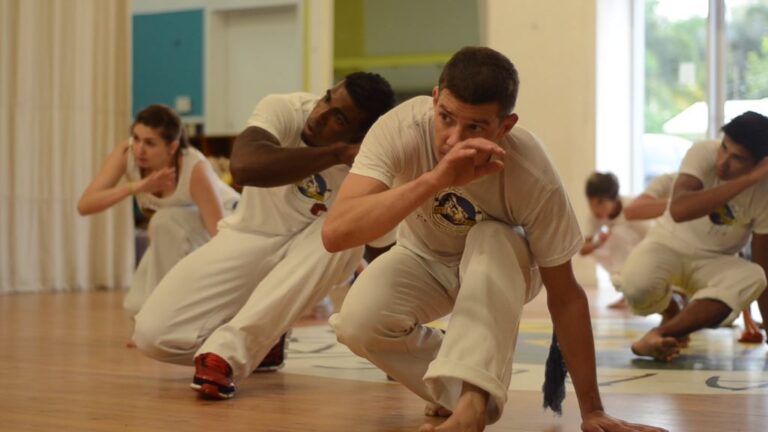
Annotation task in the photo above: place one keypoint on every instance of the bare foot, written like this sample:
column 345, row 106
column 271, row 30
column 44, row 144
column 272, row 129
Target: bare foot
column 676, row 304
column 653, row 344
column 751, row 336
column 752, row 333
column 618, row 304
column 436, row 410
column 469, row 415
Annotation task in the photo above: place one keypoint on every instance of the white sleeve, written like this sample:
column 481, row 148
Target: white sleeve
column 385, row 240
column 760, row 209
column 761, row 223
column 278, row 116
column 661, row 186
column 552, row 229
column 699, row 161
column 380, row 155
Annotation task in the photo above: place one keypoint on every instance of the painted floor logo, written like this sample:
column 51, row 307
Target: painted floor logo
column 714, row 363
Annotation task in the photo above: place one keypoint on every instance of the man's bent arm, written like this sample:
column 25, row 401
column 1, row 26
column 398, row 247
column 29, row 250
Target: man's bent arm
column 259, row 160
column 690, row 201
column 367, row 209
column 568, row 305
column 645, row 207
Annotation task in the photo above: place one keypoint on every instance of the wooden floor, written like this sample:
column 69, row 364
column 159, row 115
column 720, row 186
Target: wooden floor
column 65, row 367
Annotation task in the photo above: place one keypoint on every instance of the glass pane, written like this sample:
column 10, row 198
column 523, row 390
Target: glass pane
column 747, row 57
column 675, row 82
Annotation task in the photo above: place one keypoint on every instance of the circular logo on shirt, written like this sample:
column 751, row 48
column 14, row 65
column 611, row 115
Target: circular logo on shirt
column 723, row 216
column 314, row 187
column 454, row 212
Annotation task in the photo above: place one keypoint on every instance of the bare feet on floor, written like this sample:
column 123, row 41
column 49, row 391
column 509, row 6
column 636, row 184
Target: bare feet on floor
column 676, row 304
column 683, row 341
column 469, row 415
column 435, row 410
column 653, row 344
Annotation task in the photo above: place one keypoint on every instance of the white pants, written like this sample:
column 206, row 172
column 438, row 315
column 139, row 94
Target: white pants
column 653, row 267
column 614, row 252
column 383, row 315
column 174, row 232
column 237, row 294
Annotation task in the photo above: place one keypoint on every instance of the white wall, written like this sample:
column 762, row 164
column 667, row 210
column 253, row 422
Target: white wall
column 319, row 39
column 553, row 45
column 250, row 53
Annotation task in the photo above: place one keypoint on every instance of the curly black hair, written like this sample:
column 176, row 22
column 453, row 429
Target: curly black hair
column 749, row 130
column 372, row 94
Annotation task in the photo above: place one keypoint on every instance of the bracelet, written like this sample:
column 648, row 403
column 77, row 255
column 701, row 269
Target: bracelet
column 131, row 190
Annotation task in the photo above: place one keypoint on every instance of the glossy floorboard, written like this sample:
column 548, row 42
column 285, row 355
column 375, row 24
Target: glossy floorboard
column 64, row 366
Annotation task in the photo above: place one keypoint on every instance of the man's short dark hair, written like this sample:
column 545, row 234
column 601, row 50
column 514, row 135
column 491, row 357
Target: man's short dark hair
column 749, row 130
column 480, row 75
column 603, row 185
column 371, row 94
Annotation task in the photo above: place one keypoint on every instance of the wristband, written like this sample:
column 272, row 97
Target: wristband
column 131, row 190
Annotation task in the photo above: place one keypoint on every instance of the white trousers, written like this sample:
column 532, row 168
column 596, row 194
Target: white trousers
column 237, row 294
column 383, row 316
column 653, row 267
column 614, row 252
column 174, row 232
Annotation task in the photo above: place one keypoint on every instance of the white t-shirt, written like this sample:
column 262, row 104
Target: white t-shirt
column 636, row 230
column 528, row 193
column 661, row 186
column 287, row 209
column 726, row 230
column 182, row 196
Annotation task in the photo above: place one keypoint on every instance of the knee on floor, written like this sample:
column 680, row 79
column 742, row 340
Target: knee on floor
column 149, row 339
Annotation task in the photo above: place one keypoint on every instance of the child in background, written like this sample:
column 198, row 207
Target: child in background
column 618, row 224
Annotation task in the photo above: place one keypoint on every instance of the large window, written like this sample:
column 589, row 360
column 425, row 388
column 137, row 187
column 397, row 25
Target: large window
column 746, row 86
column 704, row 62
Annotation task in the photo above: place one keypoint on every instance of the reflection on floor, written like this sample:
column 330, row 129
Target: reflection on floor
column 714, row 363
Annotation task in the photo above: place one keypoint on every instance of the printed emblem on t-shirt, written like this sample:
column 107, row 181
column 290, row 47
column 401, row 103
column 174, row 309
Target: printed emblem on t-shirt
column 723, row 216
column 455, row 213
column 316, row 188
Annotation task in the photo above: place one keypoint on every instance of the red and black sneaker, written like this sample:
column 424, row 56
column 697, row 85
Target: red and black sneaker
column 213, row 377
column 275, row 358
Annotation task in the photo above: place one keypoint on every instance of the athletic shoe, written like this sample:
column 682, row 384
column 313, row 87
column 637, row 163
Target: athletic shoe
column 275, row 358
column 213, row 377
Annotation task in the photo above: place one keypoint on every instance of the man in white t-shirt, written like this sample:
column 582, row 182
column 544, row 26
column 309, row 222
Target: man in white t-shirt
column 485, row 220
column 720, row 198
column 226, row 304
